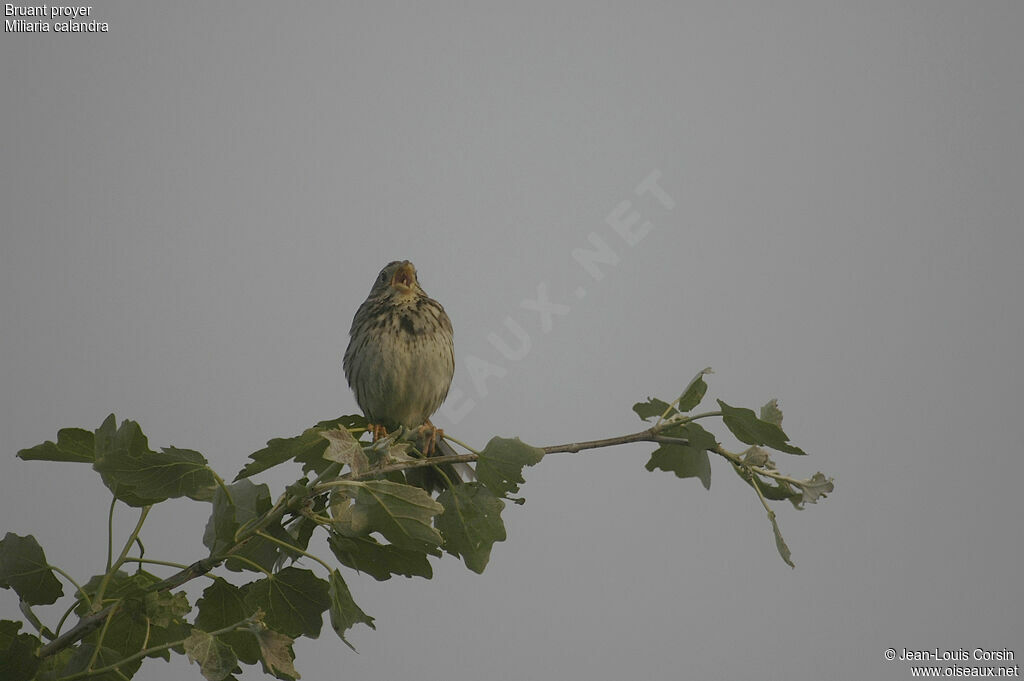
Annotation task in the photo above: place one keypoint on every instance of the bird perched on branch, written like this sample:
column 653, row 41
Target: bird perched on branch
column 400, row 359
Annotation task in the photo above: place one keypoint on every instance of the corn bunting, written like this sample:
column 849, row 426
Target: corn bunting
column 400, row 357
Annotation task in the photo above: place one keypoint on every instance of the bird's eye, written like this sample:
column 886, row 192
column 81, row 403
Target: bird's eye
column 383, row 276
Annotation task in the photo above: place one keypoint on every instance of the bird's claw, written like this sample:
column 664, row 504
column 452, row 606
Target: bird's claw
column 429, row 435
column 377, row 431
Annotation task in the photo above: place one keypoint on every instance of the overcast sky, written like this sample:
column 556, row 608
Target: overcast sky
column 195, row 203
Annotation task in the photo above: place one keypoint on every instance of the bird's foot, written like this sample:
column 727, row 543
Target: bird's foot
column 377, row 431
column 429, row 435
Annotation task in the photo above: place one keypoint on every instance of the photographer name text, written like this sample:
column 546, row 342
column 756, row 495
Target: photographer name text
column 935, row 654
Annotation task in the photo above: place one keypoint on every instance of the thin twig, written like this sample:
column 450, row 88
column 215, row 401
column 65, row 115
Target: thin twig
column 91, row 622
column 648, row 435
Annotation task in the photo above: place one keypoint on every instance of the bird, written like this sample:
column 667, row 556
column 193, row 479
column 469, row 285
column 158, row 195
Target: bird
column 400, row 361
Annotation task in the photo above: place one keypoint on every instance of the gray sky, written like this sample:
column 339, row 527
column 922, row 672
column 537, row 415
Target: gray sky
column 195, row 203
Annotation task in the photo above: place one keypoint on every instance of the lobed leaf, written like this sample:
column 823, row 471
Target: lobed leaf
column 86, row 656
column 401, row 513
column 345, row 614
column 694, row 392
column 73, row 444
column 780, row 543
column 23, row 567
column 276, row 653
column 689, row 460
column 471, row 523
column 652, row 408
column 243, row 503
column 144, row 618
column 380, row 561
column 216, row 659
column 817, row 487
column 747, row 428
column 501, row 462
column 140, row 477
column 755, row 456
column 221, row 605
column 778, row 490
column 293, row 599
column 771, row 413
column 18, row 661
column 685, row 462
column 307, row 448
column 115, row 442
column 346, row 450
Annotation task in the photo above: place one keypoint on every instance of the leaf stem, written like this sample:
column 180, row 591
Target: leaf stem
column 154, row 561
column 110, row 531
column 253, row 563
column 694, row 417
column 78, row 587
column 124, row 554
column 460, row 443
column 115, row 667
column 290, row 547
column 223, row 486
column 99, row 641
column 64, row 617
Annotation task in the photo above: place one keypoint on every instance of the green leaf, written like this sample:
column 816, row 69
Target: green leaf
column 140, row 477
column 221, row 605
column 775, row 490
column 23, row 567
column 18, row 661
column 216, row 660
column 117, row 443
column 73, row 444
column 345, row 614
column 345, row 449
column 771, row 413
column 652, row 408
column 380, row 561
column 307, row 448
column 51, row 668
column 293, row 599
column 33, row 619
column 500, row 465
column 402, row 513
column 685, row 462
column 86, row 655
column 747, row 428
column 168, row 474
column 119, row 584
column 817, row 487
column 755, row 456
column 694, row 392
column 144, row 619
column 780, row 543
column 689, row 460
column 247, row 502
column 277, row 654
column 471, row 523
column 164, row 607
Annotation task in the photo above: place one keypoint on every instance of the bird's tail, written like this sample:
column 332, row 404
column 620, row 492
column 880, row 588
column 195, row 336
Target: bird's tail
column 438, row 478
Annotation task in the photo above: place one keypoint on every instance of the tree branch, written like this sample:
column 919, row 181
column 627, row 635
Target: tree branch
column 649, row 435
column 89, row 623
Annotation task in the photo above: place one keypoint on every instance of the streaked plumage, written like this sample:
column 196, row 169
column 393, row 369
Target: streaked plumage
column 400, row 357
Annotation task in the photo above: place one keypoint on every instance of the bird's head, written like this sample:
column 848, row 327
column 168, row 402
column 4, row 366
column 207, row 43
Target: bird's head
column 397, row 281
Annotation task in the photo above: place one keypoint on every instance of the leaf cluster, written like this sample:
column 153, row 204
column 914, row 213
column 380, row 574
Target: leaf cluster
column 685, row 447
column 380, row 508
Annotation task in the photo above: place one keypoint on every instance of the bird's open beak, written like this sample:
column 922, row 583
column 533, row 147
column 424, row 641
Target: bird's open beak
column 405, row 278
